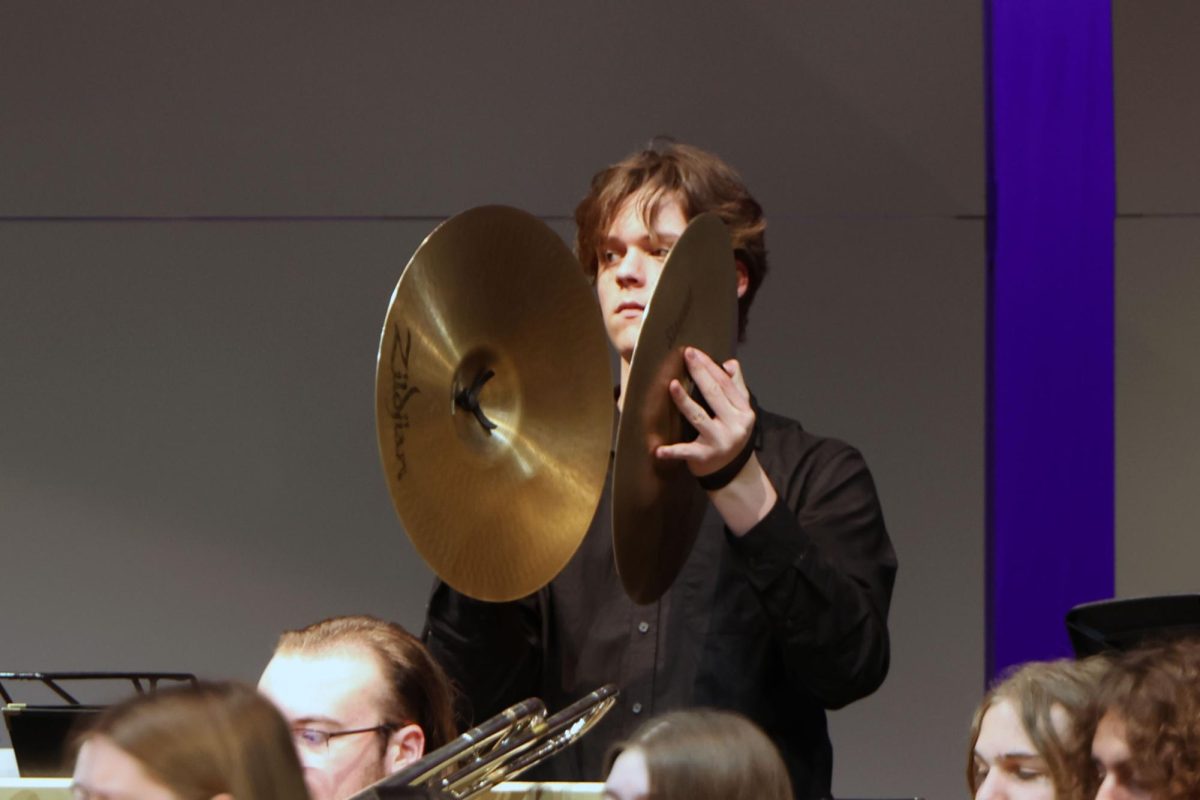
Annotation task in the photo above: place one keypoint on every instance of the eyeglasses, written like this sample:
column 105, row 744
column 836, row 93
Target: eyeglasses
column 315, row 740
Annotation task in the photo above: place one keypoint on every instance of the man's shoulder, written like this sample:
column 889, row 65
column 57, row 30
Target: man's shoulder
column 787, row 437
column 811, row 471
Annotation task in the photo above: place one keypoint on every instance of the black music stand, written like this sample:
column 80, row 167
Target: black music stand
column 40, row 732
column 1120, row 625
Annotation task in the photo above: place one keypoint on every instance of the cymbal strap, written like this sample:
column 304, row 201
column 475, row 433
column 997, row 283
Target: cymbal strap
column 725, row 475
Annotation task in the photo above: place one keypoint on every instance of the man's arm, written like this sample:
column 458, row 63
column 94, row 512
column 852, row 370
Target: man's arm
column 491, row 651
column 823, row 567
column 809, row 537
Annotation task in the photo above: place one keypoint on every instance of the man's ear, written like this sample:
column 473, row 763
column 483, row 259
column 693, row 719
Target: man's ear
column 405, row 746
column 743, row 277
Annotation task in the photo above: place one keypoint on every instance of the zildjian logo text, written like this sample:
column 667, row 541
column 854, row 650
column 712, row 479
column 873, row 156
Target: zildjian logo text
column 402, row 392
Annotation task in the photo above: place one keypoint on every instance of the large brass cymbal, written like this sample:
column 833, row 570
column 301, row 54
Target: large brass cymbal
column 658, row 505
column 497, row 512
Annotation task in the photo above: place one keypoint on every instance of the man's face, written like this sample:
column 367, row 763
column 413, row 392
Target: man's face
column 339, row 690
column 1007, row 765
column 1110, row 752
column 630, row 262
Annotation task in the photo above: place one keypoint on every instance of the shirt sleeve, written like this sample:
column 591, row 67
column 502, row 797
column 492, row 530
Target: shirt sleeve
column 823, row 568
column 491, row 651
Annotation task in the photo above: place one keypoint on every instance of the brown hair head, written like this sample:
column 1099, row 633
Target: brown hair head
column 1155, row 692
column 203, row 741
column 700, row 181
column 419, row 690
column 1035, row 690
column 705, row 754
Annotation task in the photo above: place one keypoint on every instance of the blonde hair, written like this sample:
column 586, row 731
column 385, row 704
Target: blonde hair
column 418, row 689
column 1035, row 690
column 706, row 754
column 211, row 739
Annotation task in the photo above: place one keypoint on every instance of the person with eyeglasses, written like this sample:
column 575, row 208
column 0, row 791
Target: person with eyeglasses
column 363, row 699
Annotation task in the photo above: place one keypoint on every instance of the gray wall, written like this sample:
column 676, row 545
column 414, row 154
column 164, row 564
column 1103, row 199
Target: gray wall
column 1158, row 295
column 204, row 208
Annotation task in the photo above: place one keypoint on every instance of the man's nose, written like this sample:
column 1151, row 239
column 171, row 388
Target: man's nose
column 632, row 270
column 992, row 787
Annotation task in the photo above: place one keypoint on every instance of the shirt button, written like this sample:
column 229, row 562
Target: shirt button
column 637, row 708
column 643, row 627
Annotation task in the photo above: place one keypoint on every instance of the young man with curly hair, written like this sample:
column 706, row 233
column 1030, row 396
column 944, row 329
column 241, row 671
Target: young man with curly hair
column 1147, row 743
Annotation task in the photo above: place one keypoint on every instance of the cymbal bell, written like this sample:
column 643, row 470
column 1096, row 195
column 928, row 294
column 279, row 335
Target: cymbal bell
column 493, row 402
column 658, row 505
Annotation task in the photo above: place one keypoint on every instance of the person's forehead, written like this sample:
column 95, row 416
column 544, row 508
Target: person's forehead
column 101, row 763
column 1001, row 731
column 1109, row 743
column 660, row 207
column 341, row 684
column 629, row 776
column 104, row 768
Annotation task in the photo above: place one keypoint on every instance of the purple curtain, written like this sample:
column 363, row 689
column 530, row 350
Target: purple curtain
column 1051, row 207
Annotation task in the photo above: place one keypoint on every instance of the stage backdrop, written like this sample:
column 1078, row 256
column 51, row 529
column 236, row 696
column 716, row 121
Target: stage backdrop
column 1158, row 294
column 204, row 209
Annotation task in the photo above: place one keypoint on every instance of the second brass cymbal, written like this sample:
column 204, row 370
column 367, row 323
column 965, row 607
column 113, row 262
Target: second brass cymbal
column 658, row 505
column 493, row 402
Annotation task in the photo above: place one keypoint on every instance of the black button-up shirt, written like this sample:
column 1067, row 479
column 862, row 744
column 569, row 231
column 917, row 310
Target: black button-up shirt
column 779, row 625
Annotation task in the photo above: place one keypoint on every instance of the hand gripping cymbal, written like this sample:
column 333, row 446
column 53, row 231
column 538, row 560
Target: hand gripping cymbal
column 658, row 505
column 493, row 402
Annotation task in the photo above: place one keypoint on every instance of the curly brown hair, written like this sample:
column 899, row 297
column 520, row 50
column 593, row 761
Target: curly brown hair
column 700, row 181
column 1035, row 690
column 1154, row 692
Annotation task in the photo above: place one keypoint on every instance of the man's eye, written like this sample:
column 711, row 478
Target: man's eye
column 661, row 252
column 1029, row 773
column 608, row 257
column 310, row 736
column 1136, row 783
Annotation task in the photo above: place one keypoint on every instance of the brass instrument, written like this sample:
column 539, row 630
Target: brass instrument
column 499, row 749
